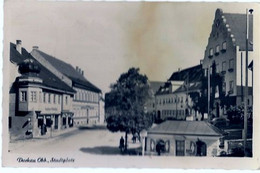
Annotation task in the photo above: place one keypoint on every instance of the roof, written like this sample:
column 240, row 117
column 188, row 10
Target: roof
column 192, row 87
column 164, row 89
column 49, row 79
column 237, row 24
column 155, row 85
column 191, row 74
column 198, row 128
column 78, row 79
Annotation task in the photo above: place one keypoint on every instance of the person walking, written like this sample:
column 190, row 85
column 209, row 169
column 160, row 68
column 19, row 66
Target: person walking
column 121, row 144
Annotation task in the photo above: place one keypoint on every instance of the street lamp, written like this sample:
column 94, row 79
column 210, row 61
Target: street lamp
column 246, row 78
column 143, row 135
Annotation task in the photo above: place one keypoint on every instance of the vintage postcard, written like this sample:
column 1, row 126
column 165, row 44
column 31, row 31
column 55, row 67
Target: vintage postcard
column 131, row 84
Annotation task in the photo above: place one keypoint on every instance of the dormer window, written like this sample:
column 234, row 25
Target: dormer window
column 224, row 46
column 217, row 50
column 210, row 52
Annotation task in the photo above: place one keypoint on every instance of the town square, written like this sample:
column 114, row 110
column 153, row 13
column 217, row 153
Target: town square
column 161, row 82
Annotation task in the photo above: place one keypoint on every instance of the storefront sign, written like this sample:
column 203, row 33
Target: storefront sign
column 51, row 109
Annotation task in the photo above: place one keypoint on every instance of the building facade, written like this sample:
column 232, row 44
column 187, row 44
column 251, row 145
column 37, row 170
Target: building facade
column 173, row 100
column 47, row 94
column 183, row 138
column 87, row 102
column 226, row 49
column 39, row 102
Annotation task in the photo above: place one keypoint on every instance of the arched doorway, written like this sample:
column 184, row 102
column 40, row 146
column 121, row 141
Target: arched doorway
column 201, row 148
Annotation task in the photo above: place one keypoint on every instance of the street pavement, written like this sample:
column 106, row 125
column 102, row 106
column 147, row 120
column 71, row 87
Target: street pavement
column 96, row 140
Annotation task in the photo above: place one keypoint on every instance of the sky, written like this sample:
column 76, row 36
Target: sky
column 105, row 39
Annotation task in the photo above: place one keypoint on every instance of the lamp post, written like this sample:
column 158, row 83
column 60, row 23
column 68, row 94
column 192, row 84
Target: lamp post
column 143, row 135
column 246, row 82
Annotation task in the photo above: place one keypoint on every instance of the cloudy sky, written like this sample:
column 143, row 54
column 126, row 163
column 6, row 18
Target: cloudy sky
column 107, row 38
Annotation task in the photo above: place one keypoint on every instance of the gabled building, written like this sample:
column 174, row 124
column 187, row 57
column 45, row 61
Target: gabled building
column 173, row 100
column 183, row 138
column 226, row 49
column 39, row 101
column 87, row 104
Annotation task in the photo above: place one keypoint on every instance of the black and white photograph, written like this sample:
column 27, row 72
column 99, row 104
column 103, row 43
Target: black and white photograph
column 131, row 84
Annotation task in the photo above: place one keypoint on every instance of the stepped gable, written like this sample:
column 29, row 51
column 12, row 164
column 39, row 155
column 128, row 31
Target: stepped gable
column 234, row 26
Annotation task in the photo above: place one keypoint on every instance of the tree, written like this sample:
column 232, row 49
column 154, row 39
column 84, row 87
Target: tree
column 126, row 102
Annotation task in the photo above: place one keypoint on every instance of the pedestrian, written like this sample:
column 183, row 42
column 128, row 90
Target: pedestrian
column 158, row 148
column 121, row 144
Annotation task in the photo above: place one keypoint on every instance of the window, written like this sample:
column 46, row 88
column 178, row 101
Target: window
column 66, row 100
column 231, row 87
column 152, row 145
column 40, row 96
column 217, row 68
column 224, row 87
column 180, row 147
column 44, row 97
column 167, row 146
column 49, row 98
column 59, row 99
column 217, row 50
column 231, row 65
column 224, row 46
column 210, row 52
column 223, row 66
column 54, row 99
column 23, row 96
column 33, row 96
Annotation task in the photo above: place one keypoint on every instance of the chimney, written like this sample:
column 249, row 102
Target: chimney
column 19, row 46
column 35, row 47
column 77, row 68
column 82, row 72
column 79, row 71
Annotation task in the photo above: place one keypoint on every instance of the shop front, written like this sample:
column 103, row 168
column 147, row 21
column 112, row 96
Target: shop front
column 183, row 138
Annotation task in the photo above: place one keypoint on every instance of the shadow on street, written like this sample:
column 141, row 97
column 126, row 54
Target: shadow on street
column 103, row 150
column 96, row 127
column 108, row 150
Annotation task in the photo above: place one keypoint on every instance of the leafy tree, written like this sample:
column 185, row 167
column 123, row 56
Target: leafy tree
column 126, row 102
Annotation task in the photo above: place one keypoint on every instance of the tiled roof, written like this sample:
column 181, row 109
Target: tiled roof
column 192, row 87
column 155, row 85
column 164, row 89
column 67, row 69
column 49, row 79
column 199, row 128
column 192, row 74
column 237, row 24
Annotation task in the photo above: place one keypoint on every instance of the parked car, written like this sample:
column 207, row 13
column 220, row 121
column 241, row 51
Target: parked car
column 220, row 122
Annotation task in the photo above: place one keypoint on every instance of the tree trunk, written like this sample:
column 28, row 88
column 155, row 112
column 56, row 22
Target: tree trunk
column 202, row 116
column 125, row 141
